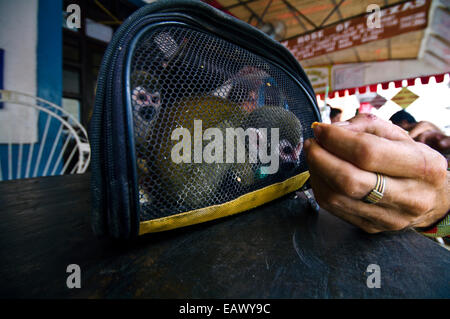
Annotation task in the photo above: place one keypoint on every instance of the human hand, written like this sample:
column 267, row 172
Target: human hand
column 344, row 157
column 422, row 127
column 430, row 134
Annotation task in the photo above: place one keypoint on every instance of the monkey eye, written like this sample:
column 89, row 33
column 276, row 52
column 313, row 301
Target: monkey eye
column 154, row 99
column 142, row 97
column 286, row 149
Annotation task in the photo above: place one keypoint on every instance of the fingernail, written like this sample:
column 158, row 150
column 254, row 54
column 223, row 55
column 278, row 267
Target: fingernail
column 341, row 123
column 316, row 128
column 314, row 125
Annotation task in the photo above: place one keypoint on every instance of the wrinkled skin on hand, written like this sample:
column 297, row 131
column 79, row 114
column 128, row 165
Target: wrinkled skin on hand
column 344, row 157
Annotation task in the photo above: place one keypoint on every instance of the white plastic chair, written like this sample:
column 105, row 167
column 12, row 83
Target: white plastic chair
column 62, row 145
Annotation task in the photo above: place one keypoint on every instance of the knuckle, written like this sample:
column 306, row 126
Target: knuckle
column 434, row 168
column 334, row 201
column 366, row 117
column 363, row 153
column 423, row 205
column 348, row 183
column 439, row 170
column 328, row 201
column 397, row 225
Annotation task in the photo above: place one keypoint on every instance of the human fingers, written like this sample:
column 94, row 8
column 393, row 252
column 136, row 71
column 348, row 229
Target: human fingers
column 436, row 140
column 343, row 176
column 369, row 123
column 402, row 158
column 422, row 127
column 430, row 138
column 370, row 218
column 405, row 195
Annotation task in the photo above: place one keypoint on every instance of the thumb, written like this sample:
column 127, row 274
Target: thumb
column 369, row 123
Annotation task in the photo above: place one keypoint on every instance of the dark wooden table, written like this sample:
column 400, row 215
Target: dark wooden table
column 280, row 250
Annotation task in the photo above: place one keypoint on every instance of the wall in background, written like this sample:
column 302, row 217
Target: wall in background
column 31, row 36
column 18, row 39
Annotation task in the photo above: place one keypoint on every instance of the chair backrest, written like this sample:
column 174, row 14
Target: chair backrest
column 39, row 138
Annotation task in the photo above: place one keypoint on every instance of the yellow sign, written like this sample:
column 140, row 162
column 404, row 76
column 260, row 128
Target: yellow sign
column 404, row 98
column 320, row 78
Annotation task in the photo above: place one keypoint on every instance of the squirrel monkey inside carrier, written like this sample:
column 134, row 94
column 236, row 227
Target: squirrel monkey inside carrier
column 190, row 183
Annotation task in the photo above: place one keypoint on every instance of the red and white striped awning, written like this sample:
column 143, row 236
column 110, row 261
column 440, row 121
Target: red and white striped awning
column 384, row 85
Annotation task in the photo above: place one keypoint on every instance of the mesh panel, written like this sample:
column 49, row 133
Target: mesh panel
column 179, row 75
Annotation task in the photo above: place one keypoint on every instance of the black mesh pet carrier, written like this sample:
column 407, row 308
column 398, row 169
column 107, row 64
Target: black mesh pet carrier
column 197, row 116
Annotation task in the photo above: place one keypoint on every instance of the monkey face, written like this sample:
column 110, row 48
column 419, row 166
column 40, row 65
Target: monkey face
column 289, row 154
column 146, row 103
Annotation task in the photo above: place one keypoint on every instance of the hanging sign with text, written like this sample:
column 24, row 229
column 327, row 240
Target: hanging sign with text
column 320, row 78
column 394, row 20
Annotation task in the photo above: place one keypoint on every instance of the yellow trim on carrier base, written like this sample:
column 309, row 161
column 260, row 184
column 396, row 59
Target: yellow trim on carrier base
column 238, row 205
